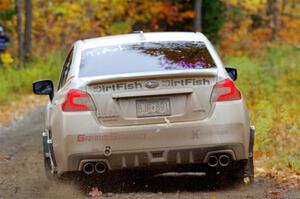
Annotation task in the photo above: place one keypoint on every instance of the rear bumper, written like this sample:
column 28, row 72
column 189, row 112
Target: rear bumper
column 160, row 158
column 142, row 146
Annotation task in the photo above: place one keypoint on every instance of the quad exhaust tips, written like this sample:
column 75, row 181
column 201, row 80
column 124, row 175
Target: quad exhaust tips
column 212, row 161
column 222, row 160
column 90, row 168
column 100, row 167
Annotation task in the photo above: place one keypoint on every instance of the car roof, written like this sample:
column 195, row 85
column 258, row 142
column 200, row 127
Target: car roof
column 141, row 37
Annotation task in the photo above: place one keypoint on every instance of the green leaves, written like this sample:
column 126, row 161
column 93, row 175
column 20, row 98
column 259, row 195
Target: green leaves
column 269, row 84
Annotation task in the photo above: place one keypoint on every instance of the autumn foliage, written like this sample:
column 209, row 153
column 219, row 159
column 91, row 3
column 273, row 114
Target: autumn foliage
column 59, row 23
column 250, row 28
column 5, row 4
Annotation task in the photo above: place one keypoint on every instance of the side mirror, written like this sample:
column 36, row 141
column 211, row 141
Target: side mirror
column 43, row 87
column 232, row 73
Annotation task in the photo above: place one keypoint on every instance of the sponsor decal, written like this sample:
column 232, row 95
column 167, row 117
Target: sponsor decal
column 92, row 138
column 185, row 82
column 138, row 85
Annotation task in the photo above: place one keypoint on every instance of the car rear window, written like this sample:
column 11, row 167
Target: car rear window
column 145, row 57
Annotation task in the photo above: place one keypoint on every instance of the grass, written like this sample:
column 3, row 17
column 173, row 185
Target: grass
column 17, row 81
column 270, row 83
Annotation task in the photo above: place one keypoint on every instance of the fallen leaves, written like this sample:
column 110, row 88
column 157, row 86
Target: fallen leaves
column 246, row 180
column 214, row 197
column 287, row 178
column 168, row 122
column 95, row 192
column 5, row 157
column 275, row 193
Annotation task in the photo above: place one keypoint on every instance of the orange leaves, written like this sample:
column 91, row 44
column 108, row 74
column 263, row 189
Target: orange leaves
column 253, row 29
column 234, row 40
column 289, row 30
column 287, row 178
column 244, row 38
column 158, row 15
column 153, row 13
column 59, row 23
column 189, row 14
column 5, row 4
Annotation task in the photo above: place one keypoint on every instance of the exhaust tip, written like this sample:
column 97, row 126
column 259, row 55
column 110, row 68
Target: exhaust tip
column 224, row 160
column 88, row 168
column 212, row 161
column 100, row 167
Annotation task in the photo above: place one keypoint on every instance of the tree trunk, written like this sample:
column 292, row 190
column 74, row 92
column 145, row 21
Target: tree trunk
column 275, row 19
column 28, row 27
column 198, row 17
column 293, row 4
column 259, row 10
column 283, row 6
column 269, row 7
column 19, row 30
column 239, row 4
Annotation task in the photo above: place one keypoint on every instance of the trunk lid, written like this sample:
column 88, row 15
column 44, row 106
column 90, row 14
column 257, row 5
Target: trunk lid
column 152, row 98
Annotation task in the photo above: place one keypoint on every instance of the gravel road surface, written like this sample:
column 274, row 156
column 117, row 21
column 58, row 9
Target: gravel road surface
column 22, row 175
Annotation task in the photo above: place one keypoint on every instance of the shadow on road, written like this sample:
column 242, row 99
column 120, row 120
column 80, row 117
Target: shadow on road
column 166, row 183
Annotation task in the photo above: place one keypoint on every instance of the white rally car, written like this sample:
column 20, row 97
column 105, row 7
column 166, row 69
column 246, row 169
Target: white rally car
column 146, row 101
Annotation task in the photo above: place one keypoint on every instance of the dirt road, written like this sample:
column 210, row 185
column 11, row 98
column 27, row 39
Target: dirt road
column 22, row 175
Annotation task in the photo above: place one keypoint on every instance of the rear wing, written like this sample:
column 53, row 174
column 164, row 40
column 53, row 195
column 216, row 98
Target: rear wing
column 151, row 75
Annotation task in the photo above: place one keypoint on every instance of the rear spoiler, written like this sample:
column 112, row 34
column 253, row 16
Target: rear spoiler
column 150, row 75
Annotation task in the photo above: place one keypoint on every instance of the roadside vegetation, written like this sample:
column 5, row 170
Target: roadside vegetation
column 16, row 81
column 270, row 82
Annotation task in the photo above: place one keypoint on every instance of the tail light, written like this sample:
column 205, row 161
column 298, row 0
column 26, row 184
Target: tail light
column 78, row 100
column 225, row 91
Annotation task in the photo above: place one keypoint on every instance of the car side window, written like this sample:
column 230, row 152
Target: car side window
column 65, row 70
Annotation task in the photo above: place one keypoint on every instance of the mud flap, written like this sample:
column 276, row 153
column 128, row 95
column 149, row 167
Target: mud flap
column 251, row 141
column 48, row 154
column 249, row 167
column 45, row 144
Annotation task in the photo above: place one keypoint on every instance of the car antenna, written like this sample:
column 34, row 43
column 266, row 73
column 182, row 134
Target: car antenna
column 141, row 34
column 137, row 31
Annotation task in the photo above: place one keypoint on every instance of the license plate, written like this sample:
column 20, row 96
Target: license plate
column 153, row 107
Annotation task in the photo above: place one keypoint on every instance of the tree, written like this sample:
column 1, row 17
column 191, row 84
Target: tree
column 5, row 5
column 19, row 31
column 28, row 27
column 283, row 6
column 213, row 18
column 6, row 13
column 275, row 19
column 269, row 7
column 198, row 17
column 272, row 11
